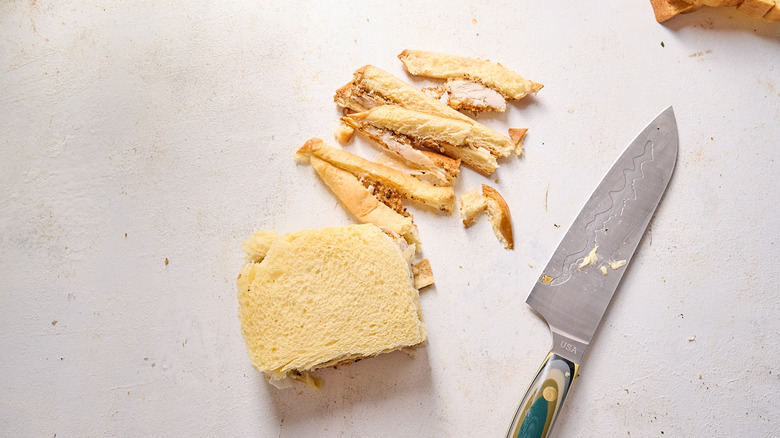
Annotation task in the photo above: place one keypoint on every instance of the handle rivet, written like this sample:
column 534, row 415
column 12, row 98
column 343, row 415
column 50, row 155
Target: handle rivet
column 550, row 393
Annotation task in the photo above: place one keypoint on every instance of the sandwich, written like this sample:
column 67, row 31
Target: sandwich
column 323, row 297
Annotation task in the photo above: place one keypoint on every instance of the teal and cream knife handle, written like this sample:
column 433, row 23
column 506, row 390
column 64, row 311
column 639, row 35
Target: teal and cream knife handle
column 542, row 402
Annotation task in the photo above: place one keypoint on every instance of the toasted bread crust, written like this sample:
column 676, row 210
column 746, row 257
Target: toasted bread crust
column 358, row 200
column 441, row 198
column 769, row 10
column 493, row 75
column 773, row 14
column 756, row 8
column 517, row 135
column 498, row 211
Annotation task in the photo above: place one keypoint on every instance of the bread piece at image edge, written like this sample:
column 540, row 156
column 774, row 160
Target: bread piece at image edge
column 769, row 10
column 322, row 297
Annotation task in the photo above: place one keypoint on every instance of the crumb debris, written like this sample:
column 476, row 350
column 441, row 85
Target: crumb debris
column 54, row 322
column 617, row 264
column 590, row 258
column 546, row 279
column 692, row 338
column 344, row 133
column 604, row 270
column 166, row 261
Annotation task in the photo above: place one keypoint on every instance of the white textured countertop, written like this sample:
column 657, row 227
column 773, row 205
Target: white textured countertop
column 143, row 131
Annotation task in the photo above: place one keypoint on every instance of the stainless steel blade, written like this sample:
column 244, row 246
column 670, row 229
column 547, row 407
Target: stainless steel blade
column 572, row 299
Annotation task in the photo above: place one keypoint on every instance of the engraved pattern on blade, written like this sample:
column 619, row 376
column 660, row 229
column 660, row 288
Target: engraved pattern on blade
column 619, row 197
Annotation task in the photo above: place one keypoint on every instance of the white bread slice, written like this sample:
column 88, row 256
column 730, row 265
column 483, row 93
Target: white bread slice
column 441, row 198
column 509, row 84
column 372, row 86
column 327, row 296
column 452, row 137
column 357, row 199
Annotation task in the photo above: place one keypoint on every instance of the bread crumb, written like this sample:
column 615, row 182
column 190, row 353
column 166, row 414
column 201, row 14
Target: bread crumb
column 590, row 258
column 617, row 264
column 546, row 279
column 626, row 389
column 166, row 261
column 692, row 338
column 604, row 270
column 54, row 322
column 344, row 133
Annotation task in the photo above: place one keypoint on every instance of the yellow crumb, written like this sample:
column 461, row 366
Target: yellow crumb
column 617, row 264
column 590, row 259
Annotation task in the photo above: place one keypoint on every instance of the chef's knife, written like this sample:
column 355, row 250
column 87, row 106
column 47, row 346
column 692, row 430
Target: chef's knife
column 573, row 292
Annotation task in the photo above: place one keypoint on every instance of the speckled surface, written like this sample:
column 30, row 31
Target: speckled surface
column 143, row 131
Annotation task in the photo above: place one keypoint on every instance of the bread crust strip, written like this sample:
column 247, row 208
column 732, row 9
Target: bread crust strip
column 452, row 137
column 440, row 198
column 509, row 84
column 359, row 201
column 372, row 86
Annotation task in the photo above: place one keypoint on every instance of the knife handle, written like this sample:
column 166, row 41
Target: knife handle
column 542, row 402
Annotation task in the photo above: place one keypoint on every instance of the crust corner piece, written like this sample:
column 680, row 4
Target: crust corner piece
column 500, row 218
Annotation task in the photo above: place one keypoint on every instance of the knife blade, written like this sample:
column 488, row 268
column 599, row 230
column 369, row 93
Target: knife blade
column 573, row 292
